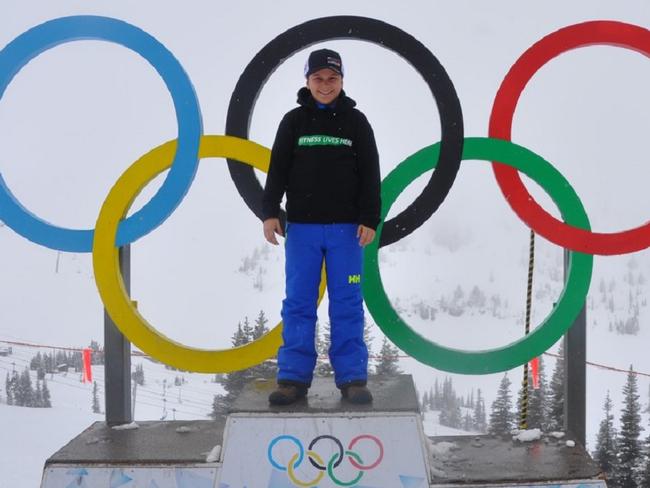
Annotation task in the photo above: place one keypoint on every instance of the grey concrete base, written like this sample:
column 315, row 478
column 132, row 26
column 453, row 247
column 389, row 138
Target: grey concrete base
column 472, row 460
column 395, row 394
column 154, row 442
column 487, row 459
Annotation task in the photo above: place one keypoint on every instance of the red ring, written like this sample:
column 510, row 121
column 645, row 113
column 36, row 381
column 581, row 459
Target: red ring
column 379, row 444
column 611, row 33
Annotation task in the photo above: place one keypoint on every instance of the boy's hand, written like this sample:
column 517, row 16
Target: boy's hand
column 366, row 235
column 272, row 227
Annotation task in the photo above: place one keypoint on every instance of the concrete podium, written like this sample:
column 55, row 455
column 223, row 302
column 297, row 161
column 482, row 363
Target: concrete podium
column 319, row 442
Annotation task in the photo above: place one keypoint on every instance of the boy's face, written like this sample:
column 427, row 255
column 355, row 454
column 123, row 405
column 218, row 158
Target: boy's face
column 325, row 85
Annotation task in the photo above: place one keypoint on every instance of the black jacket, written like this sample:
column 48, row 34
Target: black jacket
column 326, row 161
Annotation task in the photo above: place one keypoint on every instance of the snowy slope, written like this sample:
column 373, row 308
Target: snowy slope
column 31, row 435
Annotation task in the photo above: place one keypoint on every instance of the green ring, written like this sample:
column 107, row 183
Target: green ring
column 550, row 330
column 330, row 469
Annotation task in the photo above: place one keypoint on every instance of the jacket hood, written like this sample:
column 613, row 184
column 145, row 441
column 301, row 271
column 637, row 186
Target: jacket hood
column 343, row 102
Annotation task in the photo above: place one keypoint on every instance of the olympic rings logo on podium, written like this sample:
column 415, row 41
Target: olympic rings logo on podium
column 181, row 156
column 317, row 462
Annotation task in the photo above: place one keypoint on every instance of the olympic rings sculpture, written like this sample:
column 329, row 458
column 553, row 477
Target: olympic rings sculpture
column 317, row 461
column 182, row 155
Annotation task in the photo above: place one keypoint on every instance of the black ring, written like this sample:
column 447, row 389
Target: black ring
column 338, row 443
column 385, row 35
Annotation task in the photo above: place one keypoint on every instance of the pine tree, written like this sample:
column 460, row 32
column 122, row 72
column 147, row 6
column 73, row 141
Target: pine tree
column 539, row 405
column 47, row 402
column 454, row 417
column 467, row 422
column 425, row 402
column 260, row 328
column 645, row 473
column 38, row 395
column 556, row 393
column 629, row 449
column 478, row 418
column 450, row 414
column 97, row 356
column 36, row 361
column 501, row 414
column 247, row 330
column 268, row 368
column 220, row 406
column 435, row 405
column 387, row 364
column 605, row 452
column 10, row 390
column 95, row 404
column 536, row 417
column 234, row 381
column 24, row 394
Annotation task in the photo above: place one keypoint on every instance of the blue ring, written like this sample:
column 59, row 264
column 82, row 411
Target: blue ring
column 301, row 450
column 50, row 34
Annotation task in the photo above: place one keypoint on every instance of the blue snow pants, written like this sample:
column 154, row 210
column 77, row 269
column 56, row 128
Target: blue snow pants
column 306, row 246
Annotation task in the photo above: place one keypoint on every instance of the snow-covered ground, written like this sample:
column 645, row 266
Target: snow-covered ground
column 31, row 435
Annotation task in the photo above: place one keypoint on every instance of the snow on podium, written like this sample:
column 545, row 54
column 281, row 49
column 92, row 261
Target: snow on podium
column 319, row 442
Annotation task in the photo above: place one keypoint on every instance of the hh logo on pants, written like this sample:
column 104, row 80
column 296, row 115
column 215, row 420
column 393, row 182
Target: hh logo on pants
column 354, row 279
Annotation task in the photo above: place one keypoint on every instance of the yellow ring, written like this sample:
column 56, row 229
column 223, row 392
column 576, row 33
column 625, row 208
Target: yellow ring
column 110, row 282
column 306, row 484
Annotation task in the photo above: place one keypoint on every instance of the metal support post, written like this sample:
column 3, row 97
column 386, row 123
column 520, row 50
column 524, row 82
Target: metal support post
column 575, row 373
column 117, row 359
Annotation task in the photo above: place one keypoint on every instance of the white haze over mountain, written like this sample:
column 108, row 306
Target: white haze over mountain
column 78, row 115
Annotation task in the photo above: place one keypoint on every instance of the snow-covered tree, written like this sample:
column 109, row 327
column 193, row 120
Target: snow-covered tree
column 476, row 298
column 605, row 452
column 220, row 406
column 467, row 422
column 235, row 381
column 24, row 393
column 387, row 364
column 629, row 450
column 268, row 368
column 260, row 328
column 479, row 422
column 436, row 397
column 247, row 329
column 38, row 395
column 47, row 402
column 9, row 388
column 424, row 404
column 501, row 414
